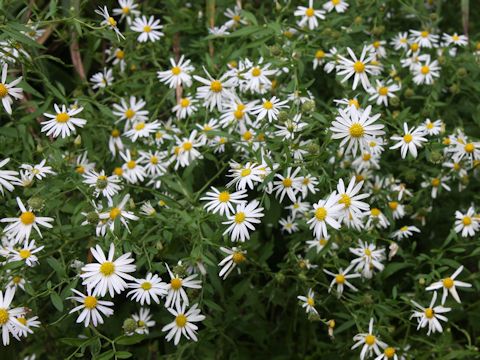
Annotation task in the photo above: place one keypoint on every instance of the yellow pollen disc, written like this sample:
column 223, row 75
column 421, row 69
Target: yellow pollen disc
column 181, row 320
column 90, row 302
column 147, row 28
column 354, row 102
column 247, row 135
column 154, row 160
column 146, row 286
column 24, row 253
column 383, row 91
column 3, row 90
column 287, row 182
column 467, row 220
column 309, row 12
column 129, row 114
column 425, row 69
column 131, row 164
column 404, row 228
column 80, row 169
column 256, row 71
column 469, row 148
column 176, row 70
column 368, row 252
column 407, row 138
column 430, row 126
column 187, row 146
column 359, row 178
column 267, row 105
column 22, row 320
column 310, row 301
column 236, row 18
column 320, row 213
column 17, row 280
column 240, row 217
column 177, row 150
column 120, row 54
column 216, row 86
column 114, row 213
column 448, row 283
column 375, row 212
column 456, row 166
column 4, row 316
column 112, row 21
column 389, row 352
column 184, row 102
column 414, row 47
column 429, row 313
column 322, row 242
column 176, row 283
column 393, row 205
column 140, row 126
column 424, row 34
column 125, row 10
column 339, row 279
column 359, row 67
column 245, row 172
column 336, row 2
column 107, row 268
column 370, row 339
column 320, row 54
column 115, row 133
column 238, row 114
column 366, row 157
column 118, row 171
column 376, row 44
column 27, row 218
column 435, row 182
column 102, row 177
column 345, row 200
column 224, row 196
column 356, row 130
column 62, row 117
column 455, row 37
column 238, row 257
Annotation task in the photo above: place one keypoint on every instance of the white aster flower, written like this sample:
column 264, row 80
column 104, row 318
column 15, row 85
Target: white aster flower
column 235, row 256
column 9, row 323
column 149, row 29
column 223, row 201
column 359, row 68
column 178, row 75
column 430, row 316
column 468, row 223
column 176, row 288
column 102, row 79
column 340, row 279
column 449, row 285
column 9, row 91
column 409, row 142
column 8, row 178
column 269, row 108
column 326, row 212
column 63, row 122
column 143, row 320
column 370, row 343
column 183, row 323
column 92, row 308
column 152, row 287
column 309, row 16
column 242, row 220
column 308, row 302
column 340, row 6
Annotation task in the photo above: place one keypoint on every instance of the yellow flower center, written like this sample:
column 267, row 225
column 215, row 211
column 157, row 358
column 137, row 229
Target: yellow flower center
column 4, row 316
column 120, row 54
column 389, row 352
column 146, row 285
column 125, row 10
column 90, row 302
column 3, row 90
column 181, row 320
column 224, row 196
column 115, row 133
column 320, row 54
column 370, row 339
column 467, row 220
column 27, row 218
column 356, row 130
column 131, row 164
column 336, row 2
column 140, row 126
column 309, row 12
column 17, row 280
column 407, row 138
column 375, row 212
column 80, row 169
column 256, row 71
column 287, row 182
column 448, row 283
column 245, row 172
column 310, row 301
column 404, row 228
column 112, row 21
column 129, row 114
column 216, row 86
column 102, row 177
column 187, row 146
column 22, row 320
column 24, row 253
column 238, row 114
column 320, row 213
column 176, row 283
column 340, row 279
column 376, row 44
column 147, row 28
column 424, row 34
column 176, row 70
column 114, row 213
column 267, row 105
column 366, row 157
column 62, row 117
column 359, row 67
column 429, row 313
column 469, row 148
column 354, row 102
column 345, row 200
column 383, row 91
column 118, row 171
column 236, row 18
column 435, row 182
column 240, row 217
column 393, row 205
column 238, row 257
column 414, row 47
column 455, row 37
column 425, row 69
column 184, row 102
column 140, row 323
column 107, row 268
column 247, row 135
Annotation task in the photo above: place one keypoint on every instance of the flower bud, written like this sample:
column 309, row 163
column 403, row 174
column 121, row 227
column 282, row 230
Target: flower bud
column 358, row 20
column 454, row 89
column 395, row 101
column 36, row 203
column 280, row 278
column 78, row 141
column 282, row 116
column 129, row 326
column 462, row 72
column 92, row 218
column 275, row 50
column 308, row 106
column 436, row 157
column 409, row 93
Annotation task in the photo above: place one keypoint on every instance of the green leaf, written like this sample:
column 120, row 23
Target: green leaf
column 123, row 354
column 130, row 340
column 106, row 355
column 56, row 301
